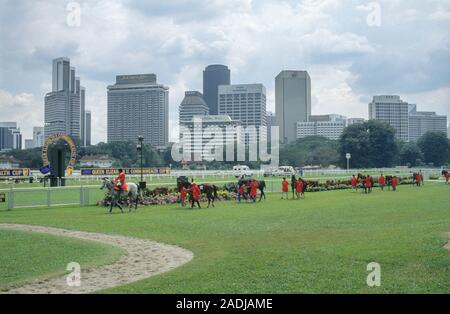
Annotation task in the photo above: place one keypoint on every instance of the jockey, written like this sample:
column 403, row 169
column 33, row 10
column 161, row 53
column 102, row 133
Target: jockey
column 120, row 181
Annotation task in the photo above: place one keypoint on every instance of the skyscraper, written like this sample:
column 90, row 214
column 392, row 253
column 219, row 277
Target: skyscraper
column 88, row 127
column 192, row 105
column 65, row 104
column 138, row 105
column 10, row 136
column 83, row 114
column 292, row 102
column 213, row 76
column 392, row 110
column 245, row 103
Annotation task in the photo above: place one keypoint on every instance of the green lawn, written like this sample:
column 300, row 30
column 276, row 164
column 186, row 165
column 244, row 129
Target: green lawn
column 318, row 245
column 27, row 255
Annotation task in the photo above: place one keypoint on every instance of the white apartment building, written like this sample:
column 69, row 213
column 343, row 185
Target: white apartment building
column 421, row 122
column 329, row 129
column 202, row 135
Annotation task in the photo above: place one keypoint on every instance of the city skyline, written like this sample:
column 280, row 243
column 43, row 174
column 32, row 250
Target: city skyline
column 348, row 60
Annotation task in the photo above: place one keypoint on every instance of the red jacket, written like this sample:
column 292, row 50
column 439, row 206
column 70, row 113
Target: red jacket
column 299, row 186
column 285, row 186
column 121, row 177
column 354, row 182
column 381, row 180
column 195, row 192
column 368, row 182
column 394, row 182
column 253, row 186
column 183, row 193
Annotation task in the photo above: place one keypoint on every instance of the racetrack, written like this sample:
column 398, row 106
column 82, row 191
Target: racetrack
column 144, row 258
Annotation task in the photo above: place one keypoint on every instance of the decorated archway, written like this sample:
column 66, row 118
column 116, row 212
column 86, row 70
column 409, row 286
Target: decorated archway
column 46, row 168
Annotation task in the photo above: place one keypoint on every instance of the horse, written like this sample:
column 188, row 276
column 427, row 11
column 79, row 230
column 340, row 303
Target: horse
column 133, row 194
column 210, row 190
column 260, row 183
column 446, row 175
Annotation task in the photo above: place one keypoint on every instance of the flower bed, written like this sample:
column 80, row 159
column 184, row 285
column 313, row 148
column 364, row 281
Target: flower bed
column 163, row 196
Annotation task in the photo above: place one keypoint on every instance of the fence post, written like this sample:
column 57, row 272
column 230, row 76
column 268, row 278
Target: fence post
column 86, row 196
column 81, row 196
column 10, row 199
column 49, row 198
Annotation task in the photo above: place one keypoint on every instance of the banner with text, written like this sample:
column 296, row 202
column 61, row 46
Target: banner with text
column 128, row 171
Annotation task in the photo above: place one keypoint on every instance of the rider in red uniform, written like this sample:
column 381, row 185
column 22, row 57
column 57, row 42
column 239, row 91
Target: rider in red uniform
column 120, row 181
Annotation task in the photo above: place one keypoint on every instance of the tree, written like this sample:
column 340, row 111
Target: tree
column 435, row 147
column 371, row 144
column 410, row 155
column 311, row 150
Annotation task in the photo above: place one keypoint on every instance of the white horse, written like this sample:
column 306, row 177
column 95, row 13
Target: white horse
column 133, row 194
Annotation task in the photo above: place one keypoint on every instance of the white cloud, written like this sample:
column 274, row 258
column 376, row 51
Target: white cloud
column 256, row 39
column 22, row 108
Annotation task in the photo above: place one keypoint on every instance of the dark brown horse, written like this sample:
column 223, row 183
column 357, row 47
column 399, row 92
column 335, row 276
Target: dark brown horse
column 260, row 183
column 446, row 175
column 210, row 190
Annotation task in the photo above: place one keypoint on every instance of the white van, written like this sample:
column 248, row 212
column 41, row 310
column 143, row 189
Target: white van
column 284, row 171
column 242, row 170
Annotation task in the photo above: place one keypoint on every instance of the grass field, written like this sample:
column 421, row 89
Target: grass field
column 27, row 256
column 318, row 245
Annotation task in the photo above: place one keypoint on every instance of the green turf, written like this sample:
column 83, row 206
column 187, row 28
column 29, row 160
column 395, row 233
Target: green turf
column 318, row 245
column 28, row 255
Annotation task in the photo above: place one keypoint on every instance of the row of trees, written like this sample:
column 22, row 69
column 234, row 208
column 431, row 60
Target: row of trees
column 372, row 145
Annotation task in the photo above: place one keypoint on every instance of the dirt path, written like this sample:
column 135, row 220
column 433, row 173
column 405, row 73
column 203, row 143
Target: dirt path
column 144, row 258
column 447, row 246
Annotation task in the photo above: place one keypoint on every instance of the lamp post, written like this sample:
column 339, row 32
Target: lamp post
column 348, row 156
column 140, row 148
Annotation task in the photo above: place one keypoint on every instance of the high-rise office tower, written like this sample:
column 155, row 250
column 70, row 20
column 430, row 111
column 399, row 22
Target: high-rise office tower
column 138, row 105
column 292, row 102
column 83, row 114
column 245, row 103
column 192, row 105
column 392, row 110
column 64, row 105
column 213, row 76
column 88, row 128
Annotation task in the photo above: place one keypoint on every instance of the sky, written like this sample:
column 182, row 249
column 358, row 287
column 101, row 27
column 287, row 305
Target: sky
column 351, row 49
